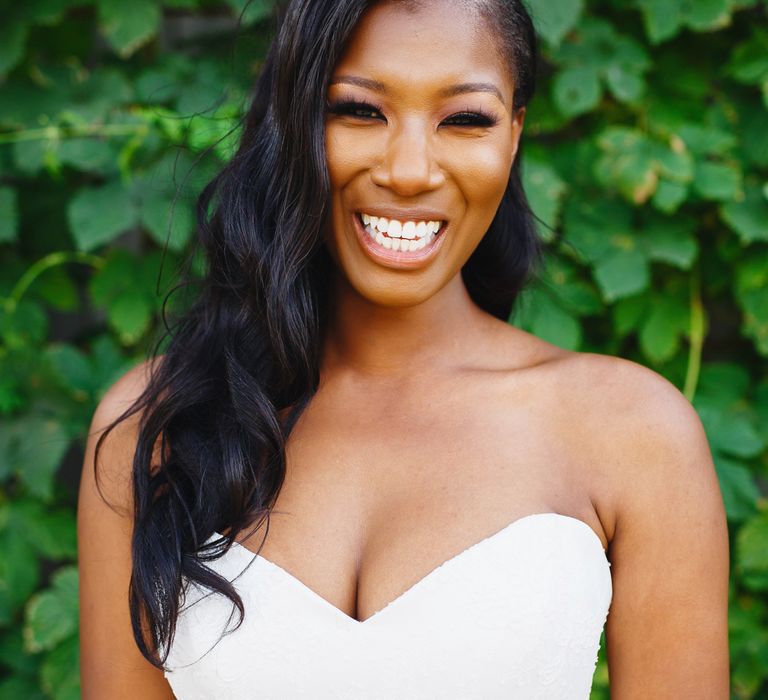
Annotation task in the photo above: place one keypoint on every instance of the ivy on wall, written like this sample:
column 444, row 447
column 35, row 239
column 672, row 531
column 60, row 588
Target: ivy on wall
column 645, row 159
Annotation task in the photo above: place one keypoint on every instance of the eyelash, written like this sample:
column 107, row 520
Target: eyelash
column 350, row 107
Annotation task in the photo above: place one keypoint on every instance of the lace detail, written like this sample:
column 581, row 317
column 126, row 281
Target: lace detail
column 518, row 615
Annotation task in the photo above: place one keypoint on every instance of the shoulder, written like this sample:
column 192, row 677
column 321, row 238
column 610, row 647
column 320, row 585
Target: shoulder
column 123, row 393
column 669, row 546
column 111, row 439
column 640, row 439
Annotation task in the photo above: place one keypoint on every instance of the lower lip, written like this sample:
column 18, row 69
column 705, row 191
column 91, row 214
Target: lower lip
column 398, row 259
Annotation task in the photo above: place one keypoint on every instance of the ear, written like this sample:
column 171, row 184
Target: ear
column 517, row 129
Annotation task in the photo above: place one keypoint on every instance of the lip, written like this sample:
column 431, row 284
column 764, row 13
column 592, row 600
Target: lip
column 398, row 259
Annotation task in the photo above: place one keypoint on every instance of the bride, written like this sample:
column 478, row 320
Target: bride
column 349, row 476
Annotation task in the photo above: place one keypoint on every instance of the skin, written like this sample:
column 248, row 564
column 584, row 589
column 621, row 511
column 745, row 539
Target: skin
column 435, row 424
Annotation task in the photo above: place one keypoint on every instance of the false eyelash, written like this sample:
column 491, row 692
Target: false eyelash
column 347, row 105
column 477, row 117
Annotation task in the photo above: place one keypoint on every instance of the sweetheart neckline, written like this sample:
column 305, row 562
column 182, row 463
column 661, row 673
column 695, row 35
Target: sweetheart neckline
column 422, row 581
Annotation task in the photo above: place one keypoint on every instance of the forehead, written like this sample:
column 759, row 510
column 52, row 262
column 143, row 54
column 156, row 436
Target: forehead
column 423, row 47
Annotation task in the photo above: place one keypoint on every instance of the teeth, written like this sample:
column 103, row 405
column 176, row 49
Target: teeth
column 406, row 236
column 395, row 229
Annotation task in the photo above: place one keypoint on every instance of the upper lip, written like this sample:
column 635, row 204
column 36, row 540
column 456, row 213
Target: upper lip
column 412, row 214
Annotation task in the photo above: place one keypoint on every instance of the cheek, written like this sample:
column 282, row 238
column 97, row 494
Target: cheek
column 482, row 174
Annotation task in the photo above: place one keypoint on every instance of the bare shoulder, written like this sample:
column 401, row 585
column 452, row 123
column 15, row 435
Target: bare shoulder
column 118, row 444
column 111, row 663
column 636, row 419
column 667, row 633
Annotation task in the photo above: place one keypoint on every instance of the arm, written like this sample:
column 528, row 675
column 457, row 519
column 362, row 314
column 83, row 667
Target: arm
column 111, row 664
column 667, row 630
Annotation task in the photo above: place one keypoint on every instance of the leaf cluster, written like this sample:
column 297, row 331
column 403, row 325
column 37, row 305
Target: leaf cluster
column 645, row 161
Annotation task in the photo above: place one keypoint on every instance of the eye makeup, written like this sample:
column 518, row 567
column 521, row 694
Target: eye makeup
column 360, row 109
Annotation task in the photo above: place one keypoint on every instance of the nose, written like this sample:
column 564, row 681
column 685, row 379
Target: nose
column 408, row 166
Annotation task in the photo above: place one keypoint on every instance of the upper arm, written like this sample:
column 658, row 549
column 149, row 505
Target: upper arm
column 667, row 630
column 111, row 664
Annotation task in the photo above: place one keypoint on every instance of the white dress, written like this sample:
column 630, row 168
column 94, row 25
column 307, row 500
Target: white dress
column 517, row 615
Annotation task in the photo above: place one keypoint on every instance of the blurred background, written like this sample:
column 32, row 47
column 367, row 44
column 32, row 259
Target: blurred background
column 645, row 158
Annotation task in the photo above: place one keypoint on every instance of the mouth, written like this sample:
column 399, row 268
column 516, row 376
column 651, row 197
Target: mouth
column 404, row 243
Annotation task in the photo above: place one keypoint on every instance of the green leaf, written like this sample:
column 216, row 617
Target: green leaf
column 661, row 331
column 628, row 313
column 56, row 288
column 731, row 430
column 553, row 20
column 718, row 181
column 749, row 218
column 52, row 615
column 72, row 368
column 706, row 15
column 252, row 11
column 555, row 325
column 129, row 314
column 625, row 84
column 97, row 215
column 9, row 217
column 60, row 672
column 576, row 91
column 752, row 552
column 168, row 222
column 628, row 163
column 26, row 325
column 128, row 26
column 671, row 241
column 544, row 189
column 705, row 140
column 669, row 196
column 749, row 61
column 663, row 19
column 19, row 573
column 593, row 225
column 738, row 486
column 17, row 687
column 13, row 38
column 622, row 273
column 754, row 304
column 36, row 460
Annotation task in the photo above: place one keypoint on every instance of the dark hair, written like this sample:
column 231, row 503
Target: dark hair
column 242, row 364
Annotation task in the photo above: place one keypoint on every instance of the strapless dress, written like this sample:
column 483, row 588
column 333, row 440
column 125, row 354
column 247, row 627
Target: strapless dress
column 517, row 615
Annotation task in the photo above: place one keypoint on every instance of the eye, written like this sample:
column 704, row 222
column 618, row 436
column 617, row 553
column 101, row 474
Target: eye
column 356, row 109
column 470, row 119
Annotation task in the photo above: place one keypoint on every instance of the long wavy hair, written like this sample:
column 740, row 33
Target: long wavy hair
column 243, row 362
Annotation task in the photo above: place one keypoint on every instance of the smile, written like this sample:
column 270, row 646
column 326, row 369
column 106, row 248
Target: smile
column 406, row 236
column 399, row 243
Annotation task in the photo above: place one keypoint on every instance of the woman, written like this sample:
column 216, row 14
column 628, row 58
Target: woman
column 452, row 504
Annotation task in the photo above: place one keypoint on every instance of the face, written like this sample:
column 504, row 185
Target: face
column 421, row 134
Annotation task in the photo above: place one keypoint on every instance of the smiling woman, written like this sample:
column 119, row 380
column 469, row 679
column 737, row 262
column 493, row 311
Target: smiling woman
column 346, row 444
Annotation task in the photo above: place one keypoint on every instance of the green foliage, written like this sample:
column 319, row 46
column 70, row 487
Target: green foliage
column 646, row 162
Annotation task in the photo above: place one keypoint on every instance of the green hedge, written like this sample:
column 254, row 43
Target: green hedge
column 646, row 159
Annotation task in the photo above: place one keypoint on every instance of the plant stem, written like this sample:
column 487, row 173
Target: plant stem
column 53, row 133
column 37, row 268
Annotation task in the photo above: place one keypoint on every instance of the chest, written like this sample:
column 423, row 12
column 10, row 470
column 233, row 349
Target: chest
column 381, row 489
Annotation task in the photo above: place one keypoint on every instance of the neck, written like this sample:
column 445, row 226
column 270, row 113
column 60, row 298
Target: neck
column 381, row 342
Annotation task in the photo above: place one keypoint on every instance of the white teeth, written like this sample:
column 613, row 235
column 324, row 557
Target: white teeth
column 406, row 236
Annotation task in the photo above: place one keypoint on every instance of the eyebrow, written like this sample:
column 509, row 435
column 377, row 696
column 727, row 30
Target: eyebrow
column 459, row 89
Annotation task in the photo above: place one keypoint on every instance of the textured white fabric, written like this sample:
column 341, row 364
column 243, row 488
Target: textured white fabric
column 517, row 615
